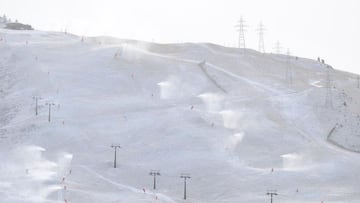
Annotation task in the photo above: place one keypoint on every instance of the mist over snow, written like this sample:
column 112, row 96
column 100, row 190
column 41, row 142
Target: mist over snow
column 230, row 118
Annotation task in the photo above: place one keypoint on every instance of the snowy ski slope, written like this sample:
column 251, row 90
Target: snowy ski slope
column 234, row 121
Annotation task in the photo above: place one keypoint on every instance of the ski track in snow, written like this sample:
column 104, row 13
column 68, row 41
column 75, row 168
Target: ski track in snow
column 122, row 186
column 195, row 62
column 251, row 82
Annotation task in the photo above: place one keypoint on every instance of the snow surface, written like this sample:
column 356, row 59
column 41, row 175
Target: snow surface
column 233, row 121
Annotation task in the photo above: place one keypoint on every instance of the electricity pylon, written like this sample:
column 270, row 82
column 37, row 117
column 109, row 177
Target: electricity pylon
column 277, row 47
column 271, row 193
column 154, row 173
column 115, row 147
column 241, row 29
column 185, row 176
column 358, row 81
column 50, row 104
column 261, row 31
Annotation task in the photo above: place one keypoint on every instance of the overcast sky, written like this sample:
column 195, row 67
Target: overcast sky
column 329, row 29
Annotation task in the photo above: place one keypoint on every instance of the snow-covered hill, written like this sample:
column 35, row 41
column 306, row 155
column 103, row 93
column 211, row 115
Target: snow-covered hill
column 240, row 123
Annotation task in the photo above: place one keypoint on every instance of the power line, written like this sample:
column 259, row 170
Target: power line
column 241, row 29
column 185, row 176
column 261, row 31
column 271, row 193
column 50, row 104
column 154, row 173
column 115, row 147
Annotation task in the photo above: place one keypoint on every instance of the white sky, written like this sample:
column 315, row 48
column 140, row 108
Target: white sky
column 309, row 28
